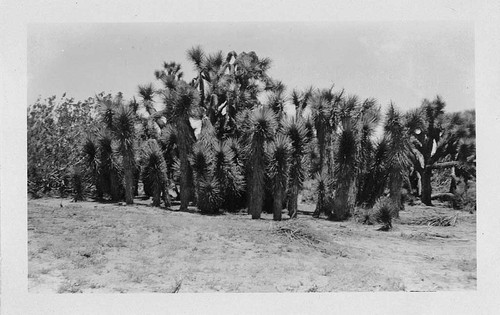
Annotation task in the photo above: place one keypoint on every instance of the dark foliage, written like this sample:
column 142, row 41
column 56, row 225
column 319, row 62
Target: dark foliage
column 77, row 181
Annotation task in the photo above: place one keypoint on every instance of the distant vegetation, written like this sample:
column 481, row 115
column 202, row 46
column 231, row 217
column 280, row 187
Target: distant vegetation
column 257, row 145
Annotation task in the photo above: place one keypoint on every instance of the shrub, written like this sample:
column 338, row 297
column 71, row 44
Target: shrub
column 55, row 128
column 384, row 211
column 209, row 196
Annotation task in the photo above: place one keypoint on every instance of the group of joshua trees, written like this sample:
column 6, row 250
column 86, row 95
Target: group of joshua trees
column 256, row 144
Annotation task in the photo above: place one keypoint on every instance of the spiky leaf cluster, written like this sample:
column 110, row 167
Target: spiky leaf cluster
column 399, row 149
column 181, row 103
column 278, row 160
column 295, row 130
column 227, row 171
column 104, row 162
column 209, row 196
column 385, row 211
column 154, row 170
column 124, row 128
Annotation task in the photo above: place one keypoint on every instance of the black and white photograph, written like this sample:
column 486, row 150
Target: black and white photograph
column 292, row 158
column 251, row 157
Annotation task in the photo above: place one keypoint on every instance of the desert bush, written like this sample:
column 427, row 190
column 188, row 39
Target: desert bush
column 209, row 196
column 56, row 127
column 469, row 198
column 364, row 216
column 384, row 211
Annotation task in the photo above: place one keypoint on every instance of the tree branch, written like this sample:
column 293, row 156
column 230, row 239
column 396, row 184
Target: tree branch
column 443, row 165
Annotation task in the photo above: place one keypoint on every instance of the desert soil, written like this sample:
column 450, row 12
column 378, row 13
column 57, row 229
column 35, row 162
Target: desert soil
column 93, row 247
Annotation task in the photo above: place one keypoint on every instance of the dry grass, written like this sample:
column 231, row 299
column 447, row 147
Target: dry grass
column 434, row 220
column 89, row 247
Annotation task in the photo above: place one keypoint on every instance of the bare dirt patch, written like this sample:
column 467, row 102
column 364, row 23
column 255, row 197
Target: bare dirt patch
column 90, row 247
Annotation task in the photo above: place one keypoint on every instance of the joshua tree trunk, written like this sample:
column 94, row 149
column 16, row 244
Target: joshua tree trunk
column 453, row 183
column 426, row 186
column 184, row 164
column 202, row 90
column 320, row 204
column 293, row 201
column 137, row 175
column 98, row 185
column 128, row 172
column 419, row 184
column 321, row 136
column 395, row 186
column 329, row 158
column 345, row 199
column 165, row 196
column 211, row 109
column 156, row 196
column 278, row 203
column 115, row 186
column 256, row 187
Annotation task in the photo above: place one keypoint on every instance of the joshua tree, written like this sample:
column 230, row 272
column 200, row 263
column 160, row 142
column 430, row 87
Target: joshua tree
column 375, row 180
column 77, row 183
column 435, row 137
column 107, row 109
column 168, row 143
column 91, row 160
column 124, row 132
column 398, row 160
column 197, row 56
column 325, row 107
column 278, row 156
column 216, row 171
column 346, row 159
column 170, row 74
column 228, row 173
column 154, row 170
column 214, row 66
column 276, row 99
column 296, row 131
column 209, row 199
column 427, row 133
column 201, row 164
column 181, row 104
column 228, row 86
column 321, row 105
column 110, row 172
column 346, row 170
column 300, row 100
column 208, row 136
column 262, row 127
column 323, row 188
column 369, row 119
column 146, row 93
column 118, row 121
column 321, row 109
column 460, row 148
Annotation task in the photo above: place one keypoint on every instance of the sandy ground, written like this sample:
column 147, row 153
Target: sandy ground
column 90, row 247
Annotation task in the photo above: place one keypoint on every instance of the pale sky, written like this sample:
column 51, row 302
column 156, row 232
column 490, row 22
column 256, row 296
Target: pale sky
column 399, row 61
